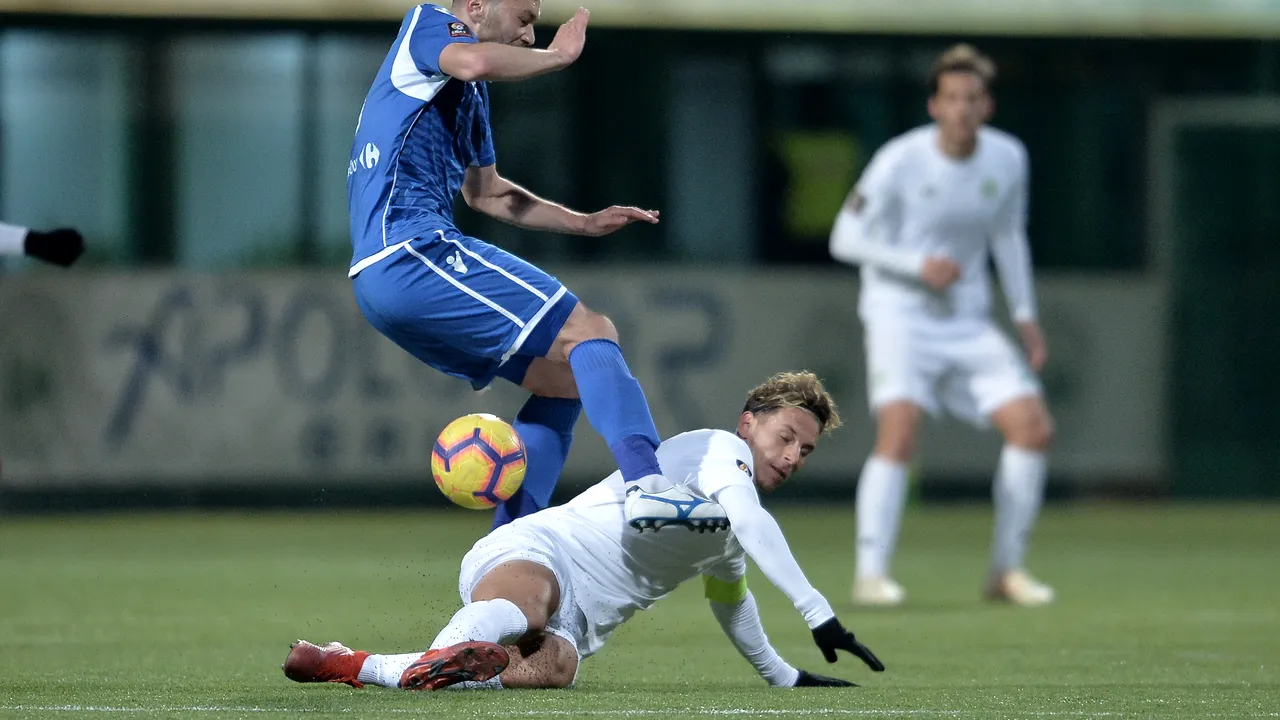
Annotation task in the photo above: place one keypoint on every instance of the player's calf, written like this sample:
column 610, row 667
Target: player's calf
column 541, row 661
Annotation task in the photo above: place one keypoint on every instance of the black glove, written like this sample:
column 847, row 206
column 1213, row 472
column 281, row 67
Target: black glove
column 808, row 679
column 831, row 636
column 60, row 247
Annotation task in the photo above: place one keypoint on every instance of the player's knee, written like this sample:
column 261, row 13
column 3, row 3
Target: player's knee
column 897, row 448
column 584, row 325
column 1035, row 432
column 896, row 432
column 1042, row 431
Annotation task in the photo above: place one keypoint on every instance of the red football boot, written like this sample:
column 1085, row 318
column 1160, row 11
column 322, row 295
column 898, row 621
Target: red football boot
column 334, row 662
column 441, row 668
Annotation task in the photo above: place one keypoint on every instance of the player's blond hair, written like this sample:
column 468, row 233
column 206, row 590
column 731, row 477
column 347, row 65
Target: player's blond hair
column 795, row 389
column 962, row 58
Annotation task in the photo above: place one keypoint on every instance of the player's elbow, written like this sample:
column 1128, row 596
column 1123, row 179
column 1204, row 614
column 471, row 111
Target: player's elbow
column 473, row 198
column 843, row 244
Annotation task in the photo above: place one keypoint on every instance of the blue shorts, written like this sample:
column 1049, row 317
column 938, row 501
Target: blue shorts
column 463, row 306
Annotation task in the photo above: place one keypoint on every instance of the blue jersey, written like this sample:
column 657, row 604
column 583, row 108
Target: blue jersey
column 418, row 133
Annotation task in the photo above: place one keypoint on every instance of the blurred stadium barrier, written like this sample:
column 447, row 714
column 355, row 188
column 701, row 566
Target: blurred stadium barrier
column 274, row 378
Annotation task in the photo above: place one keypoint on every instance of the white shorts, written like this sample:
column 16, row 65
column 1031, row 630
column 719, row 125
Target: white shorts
column 968, row 368
column 520, row 542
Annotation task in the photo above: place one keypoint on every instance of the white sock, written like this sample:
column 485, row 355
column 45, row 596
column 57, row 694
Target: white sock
column 385, row 671
column 1017, row 493
column 12, row 239
column 496, row 621
column 882, row 492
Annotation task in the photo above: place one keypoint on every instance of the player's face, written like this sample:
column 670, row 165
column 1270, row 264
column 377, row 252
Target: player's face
column 961, row 105
column 780, row 440
column 509, row 22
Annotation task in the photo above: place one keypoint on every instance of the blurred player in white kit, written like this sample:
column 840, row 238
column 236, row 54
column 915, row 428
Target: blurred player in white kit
column 930, row 208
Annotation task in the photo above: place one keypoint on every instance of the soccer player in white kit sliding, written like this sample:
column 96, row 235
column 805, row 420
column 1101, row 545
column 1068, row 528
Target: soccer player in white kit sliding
column 930, row 208
column 545, row 591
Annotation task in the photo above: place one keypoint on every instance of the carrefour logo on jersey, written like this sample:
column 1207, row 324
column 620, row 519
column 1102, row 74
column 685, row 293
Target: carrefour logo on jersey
column 367, row 159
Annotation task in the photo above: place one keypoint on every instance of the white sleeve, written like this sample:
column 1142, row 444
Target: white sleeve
column 726, row 461
column 741, row 623
column 12, row 239
column 866, row 230
column 762, row 539
column 1012, row 252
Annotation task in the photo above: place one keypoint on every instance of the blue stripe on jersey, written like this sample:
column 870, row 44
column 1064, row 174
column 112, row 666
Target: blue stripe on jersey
column 419, row 131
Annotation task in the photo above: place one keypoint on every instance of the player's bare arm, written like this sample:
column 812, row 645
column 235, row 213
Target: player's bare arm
column 496, row 61
column 488, row 192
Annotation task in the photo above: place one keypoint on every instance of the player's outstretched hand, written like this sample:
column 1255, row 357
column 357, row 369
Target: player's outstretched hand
column 61, row 247
column 808, row 679
column 571, row 37
column 615, row 218
column 831, row 636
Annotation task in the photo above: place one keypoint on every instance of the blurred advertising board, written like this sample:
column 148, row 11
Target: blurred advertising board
column 117, row 379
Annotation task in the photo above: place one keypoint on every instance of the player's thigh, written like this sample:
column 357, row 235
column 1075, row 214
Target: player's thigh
column 901, row 365
column 1025, row 422
column 465, row 296
column 989, row 372
column 541, row 660
column 540, row 376
column 522, row 565
column 531, row 586
column 897, row 426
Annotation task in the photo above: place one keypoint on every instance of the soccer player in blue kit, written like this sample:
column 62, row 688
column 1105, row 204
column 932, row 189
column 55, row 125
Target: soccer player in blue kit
column 463, row 306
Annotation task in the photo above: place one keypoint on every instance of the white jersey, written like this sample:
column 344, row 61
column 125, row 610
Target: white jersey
column 631, row 570
column 914, row 201
column 608, row 570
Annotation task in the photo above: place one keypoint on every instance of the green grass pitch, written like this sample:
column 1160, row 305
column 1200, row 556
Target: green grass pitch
column 1165, row 611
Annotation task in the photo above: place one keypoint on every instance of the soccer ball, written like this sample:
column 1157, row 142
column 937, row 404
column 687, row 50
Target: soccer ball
column 478, row 461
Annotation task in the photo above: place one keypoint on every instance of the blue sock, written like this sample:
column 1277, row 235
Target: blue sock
column 616, row 407
column 546, row 427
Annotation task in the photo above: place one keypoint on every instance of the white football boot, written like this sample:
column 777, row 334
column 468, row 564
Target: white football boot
column 877, row 590
column 1019, row 588
column 673, row 506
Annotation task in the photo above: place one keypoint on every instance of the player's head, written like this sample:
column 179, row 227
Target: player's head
column 781, row 421
column 509, row 22
column 960, row 92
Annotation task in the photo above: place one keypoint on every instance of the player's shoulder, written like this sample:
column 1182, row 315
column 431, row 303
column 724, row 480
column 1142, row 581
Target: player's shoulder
column 430, row 15
column 904, row 148
column 1004, row 145
column 710, row 441
column 440, row 9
